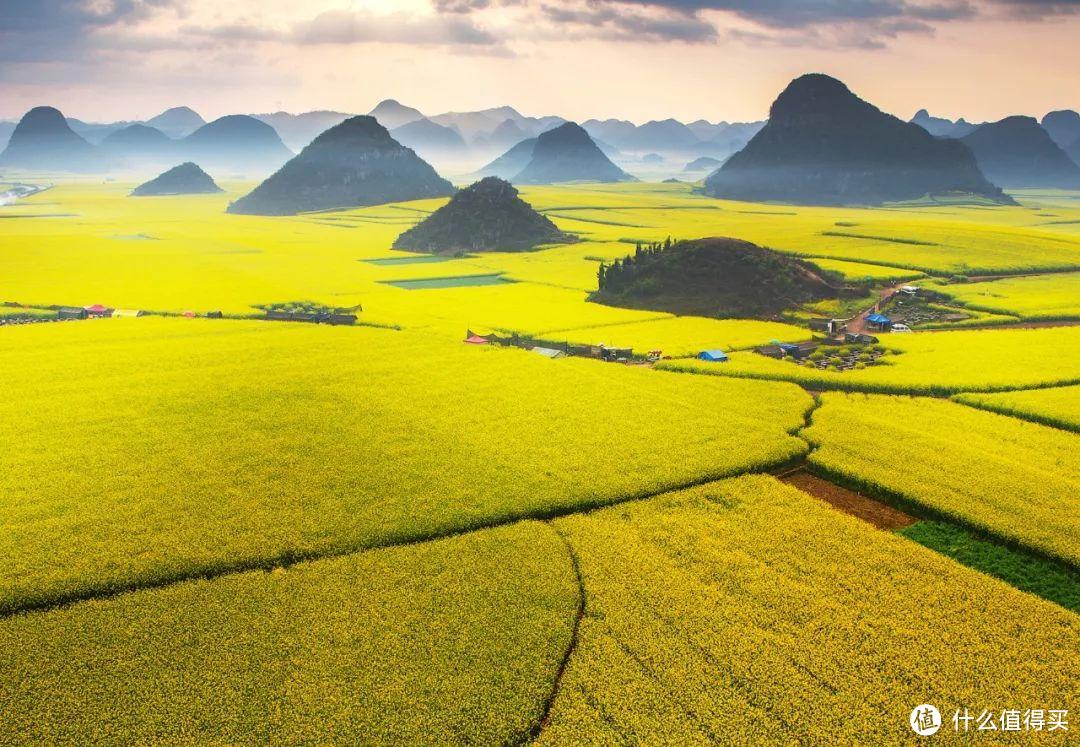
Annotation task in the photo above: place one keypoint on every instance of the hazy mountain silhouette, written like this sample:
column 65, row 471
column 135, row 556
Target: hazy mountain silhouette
column 428, row 138
column 568, row 154
column 486, row 216
column 615, row 131
column 705, row 163
column 392, row 115
column 139, row 142
column 1018, row 152
column 355, row 163
column 297, row 130
column 668, row 134
column 1063, row 126
column 237, row 142
column 6, row 128
column 95, row 132
column 510, row 163
column 507, row 134
column 941, row 127
column 185, row 179
column 824, row 145
column 177, row 122
column 43, row 141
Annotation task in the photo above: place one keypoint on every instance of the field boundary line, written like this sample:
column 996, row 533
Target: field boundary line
column 579, row 614
column 289, row 558
column 1043, row 420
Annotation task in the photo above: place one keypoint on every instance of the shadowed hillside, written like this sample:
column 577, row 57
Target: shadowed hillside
column 43, row 141
column 487, row 216
column 1018, row 152
column 185, row 179
column 716, row 277
column 568, row 154
column 355, row 163
column 824, row 145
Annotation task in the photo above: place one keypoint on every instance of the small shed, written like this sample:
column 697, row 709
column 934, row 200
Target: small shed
column 71, row 312
column 798, row 351
column 475, row 339
column 215, row 314
column 98, row 310
column 879, row 320
column 549, row 352
column 858, row 338
column 828, row 326
column 770, row 351
column 128, row 312
column 713, row 356
column 341, row 319
column 189, row 315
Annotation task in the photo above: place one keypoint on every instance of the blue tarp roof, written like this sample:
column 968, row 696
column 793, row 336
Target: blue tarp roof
column 712, row 355
column 878, row 319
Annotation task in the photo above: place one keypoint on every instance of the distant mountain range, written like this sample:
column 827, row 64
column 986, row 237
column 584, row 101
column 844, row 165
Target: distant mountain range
column 457, row 136
column 44, row 140
column 502, row 136
column 1018, row 152
column 941, row 127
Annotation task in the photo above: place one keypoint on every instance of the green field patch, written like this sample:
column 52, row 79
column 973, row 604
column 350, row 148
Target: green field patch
column 1030, row 573
column 454, row 281
column 37, row 215
column 456, row 641
column 419, row 259
column 890, row 239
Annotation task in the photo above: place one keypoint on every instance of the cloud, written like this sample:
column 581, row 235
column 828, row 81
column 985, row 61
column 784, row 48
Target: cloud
column 605, row 21
column 842, row 23
column 803, row 13
column 48, row 30
column 1038, row 10
column 355, row 27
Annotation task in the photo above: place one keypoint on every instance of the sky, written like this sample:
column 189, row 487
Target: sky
column 105, row 60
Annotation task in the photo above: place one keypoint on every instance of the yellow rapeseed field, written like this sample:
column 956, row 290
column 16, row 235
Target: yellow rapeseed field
column 455, row 641
column 1014, row 479
column 1036, row 297
column 144, row 450
column 747, row 612
column 1058, row 406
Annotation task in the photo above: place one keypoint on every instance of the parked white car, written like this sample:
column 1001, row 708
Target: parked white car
column 900, row 328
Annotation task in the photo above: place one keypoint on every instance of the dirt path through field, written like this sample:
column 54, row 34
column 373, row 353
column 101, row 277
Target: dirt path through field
column 858, row 324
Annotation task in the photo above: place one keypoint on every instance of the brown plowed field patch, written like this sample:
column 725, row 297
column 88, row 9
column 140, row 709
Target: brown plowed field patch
column 869, row 510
